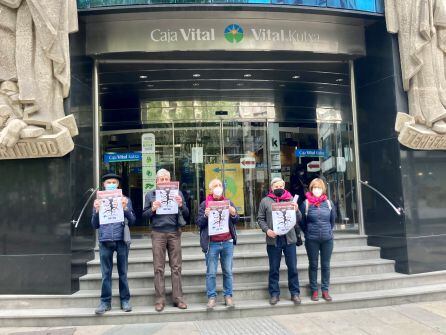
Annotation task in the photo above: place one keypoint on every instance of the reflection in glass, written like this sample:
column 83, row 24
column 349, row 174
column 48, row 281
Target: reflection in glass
column 361, row 5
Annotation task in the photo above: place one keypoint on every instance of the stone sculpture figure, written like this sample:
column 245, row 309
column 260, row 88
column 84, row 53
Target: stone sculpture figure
column 421, row 29
column 35, row 77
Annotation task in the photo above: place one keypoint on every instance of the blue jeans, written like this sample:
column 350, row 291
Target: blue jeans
column 225, row 251
column 325, row 249
column 274, row 256
column 106, row 250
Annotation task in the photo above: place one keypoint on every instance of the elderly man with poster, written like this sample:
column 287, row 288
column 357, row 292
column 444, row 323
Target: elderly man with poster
column 166, row 209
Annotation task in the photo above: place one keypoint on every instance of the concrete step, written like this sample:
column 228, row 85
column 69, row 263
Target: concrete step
column 197, row 261
column 243, row 275
column 247, row 308
column 242, row 292
column 254, row 243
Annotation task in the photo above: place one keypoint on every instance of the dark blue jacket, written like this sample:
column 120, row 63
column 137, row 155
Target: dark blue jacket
column 319, row 222
column 202, row 223
column 113, row 231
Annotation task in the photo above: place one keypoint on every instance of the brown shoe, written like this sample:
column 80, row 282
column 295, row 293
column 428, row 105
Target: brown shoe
column 229, row 302
column 180, row 305
column 274, row 300
column 159, row 306
column 212, row 302
column 296, row 299
column 326, row 296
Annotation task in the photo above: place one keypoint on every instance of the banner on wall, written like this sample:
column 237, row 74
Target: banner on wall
column 233, row 182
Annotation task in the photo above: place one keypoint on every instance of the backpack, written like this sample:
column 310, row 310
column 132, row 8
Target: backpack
column 307, row 205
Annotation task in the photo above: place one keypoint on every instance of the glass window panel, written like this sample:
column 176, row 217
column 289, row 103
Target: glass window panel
column 365, row 5
column 361, row 5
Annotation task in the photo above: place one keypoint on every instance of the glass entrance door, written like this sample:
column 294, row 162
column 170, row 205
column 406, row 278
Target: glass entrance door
column 240, row 154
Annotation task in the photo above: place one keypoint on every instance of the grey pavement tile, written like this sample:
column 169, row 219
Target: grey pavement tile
column 415, row 328
column 331, row 322
column 92, row 330
column 246, row 326
column 184, row 328
column 388, row 315
column 10, row 330
column 46, row 331
column 135, row 329
column 298, row 324
column 418, row 313
column 437, row 307
column 439, row 326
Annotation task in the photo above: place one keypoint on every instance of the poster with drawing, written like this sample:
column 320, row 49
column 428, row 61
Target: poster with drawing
column 218, row 219
column 166, row 193
column 284, row 217
column 111, row 210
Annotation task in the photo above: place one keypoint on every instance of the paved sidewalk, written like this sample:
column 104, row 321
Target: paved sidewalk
column 417, row 319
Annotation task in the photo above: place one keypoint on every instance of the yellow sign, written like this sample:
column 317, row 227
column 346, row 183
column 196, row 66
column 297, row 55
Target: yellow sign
column 233, row 183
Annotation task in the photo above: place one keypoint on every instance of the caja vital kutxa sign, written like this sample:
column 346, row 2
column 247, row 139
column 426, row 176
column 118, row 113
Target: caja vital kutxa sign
column 223, row 34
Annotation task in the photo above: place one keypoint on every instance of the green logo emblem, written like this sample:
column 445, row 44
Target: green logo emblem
column 234, row 33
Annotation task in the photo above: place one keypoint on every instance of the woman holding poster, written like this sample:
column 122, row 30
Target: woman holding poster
column 217, row 219
column 277, row 217
column 317, row 224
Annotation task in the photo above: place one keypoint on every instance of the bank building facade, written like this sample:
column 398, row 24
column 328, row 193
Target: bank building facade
column 353, row 92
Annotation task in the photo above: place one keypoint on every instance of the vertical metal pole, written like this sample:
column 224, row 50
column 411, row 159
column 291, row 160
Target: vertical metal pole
column 222, row 151
column 173, row 152
column 356, row 148
column 96, row 121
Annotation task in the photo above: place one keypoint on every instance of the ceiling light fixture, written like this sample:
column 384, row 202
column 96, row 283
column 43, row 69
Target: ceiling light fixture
column 150, row 85
column 247, row 75
column 142, row 77
column 196, row 75
column 196, row 84
column 339, row 80
column 239, row 84
column 295, row 77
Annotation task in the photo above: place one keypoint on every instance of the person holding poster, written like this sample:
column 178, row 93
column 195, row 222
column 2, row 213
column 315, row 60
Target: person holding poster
column 163, row 207
column 317, row 225
column 277, row 217
column 217, row 219
column 111, row 210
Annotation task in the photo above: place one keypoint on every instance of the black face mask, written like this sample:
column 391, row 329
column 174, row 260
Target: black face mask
column 278, row 192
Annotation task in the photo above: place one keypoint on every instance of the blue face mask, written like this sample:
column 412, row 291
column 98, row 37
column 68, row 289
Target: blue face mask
column 111, row 187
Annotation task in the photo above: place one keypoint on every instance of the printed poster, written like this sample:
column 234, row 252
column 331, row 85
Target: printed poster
column 111, row 210
column 284, row 217
column 232, row 183
column 218, row 219
column 166, row 193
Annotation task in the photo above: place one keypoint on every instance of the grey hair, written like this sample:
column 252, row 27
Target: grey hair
column 276, row 180
column 212, row 181
column 162, row 172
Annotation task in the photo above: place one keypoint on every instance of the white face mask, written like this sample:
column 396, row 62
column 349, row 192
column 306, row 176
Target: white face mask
column 317, row 192
column 218, row 191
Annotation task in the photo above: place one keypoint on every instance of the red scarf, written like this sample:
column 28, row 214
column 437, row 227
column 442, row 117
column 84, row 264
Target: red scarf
column 285, row 196
column 210, row 197
column 316, row 201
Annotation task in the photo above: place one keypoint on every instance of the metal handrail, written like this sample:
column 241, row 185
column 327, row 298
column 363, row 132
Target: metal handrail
column 93, row 192
column 398, row 210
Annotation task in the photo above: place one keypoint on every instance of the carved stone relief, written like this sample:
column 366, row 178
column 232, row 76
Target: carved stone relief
column 35, row 78
column 421, row 29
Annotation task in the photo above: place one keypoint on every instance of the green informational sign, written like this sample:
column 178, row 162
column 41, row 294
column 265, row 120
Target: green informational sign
column 149, row 172
column 148, row 163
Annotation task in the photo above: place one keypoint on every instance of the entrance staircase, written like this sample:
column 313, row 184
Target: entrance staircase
column 359, row 279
